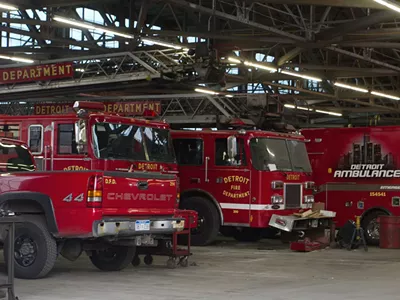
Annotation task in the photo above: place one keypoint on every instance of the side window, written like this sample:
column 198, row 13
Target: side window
column 35, row 138
column 221, row 153
column 66, row 139
column 10, row 131
column 189, row 151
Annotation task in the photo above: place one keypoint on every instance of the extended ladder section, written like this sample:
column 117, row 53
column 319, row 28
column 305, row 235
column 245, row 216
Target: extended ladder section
column 108, row 69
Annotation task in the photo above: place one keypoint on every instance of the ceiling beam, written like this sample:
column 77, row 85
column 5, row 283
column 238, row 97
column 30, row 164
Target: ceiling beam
column 213, row 12
column 337, row 3
column 330, row 96
column 356, row 25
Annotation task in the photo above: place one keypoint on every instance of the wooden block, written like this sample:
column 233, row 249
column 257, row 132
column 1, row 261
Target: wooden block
column 318, row 206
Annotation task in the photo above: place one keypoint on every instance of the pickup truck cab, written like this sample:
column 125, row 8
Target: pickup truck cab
column 104, row 213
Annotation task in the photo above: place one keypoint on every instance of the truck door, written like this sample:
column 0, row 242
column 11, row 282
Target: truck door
column 64, row 155
column 190, row 157
column 230, row 182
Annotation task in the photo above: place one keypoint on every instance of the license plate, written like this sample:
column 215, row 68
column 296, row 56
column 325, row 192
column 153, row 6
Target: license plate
column 314, row 223
column 142, row 225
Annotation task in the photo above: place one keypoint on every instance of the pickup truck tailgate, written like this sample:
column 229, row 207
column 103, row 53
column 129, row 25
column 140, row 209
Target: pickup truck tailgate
column 140, row 192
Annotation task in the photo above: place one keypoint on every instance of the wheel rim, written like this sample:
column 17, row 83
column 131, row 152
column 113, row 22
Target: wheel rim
column 200, row 225
column 373, row 229
column 25, row 251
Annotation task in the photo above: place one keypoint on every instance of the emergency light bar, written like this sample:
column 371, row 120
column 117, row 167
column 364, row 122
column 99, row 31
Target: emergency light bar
column 89, row 106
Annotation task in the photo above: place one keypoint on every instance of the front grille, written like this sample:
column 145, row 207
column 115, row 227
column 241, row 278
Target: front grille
column 293, row 195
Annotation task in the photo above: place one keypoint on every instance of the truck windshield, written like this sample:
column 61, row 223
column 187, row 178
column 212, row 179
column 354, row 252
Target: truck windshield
column 279, row 155
column 15, row 158
column 123, row 141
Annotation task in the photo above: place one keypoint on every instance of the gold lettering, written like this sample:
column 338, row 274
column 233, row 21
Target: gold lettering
column 46, row 71
column 58, row 109
column 126, row 108
column 61, row 70
column 39, row 72
column 151, row 106
column 120, row 109
column 37, row 109
column 26, row 74
column 53, row 70
column 6, row 76
column 158, row 109
column 115, row 107
column 32, row 71
column 69, row 69
column 19, row 74
column 12, row 75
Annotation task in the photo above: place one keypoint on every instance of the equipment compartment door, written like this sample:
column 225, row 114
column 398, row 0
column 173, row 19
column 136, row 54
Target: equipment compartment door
column 230, row 182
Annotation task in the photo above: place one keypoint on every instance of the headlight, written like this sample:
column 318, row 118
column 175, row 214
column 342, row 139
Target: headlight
column 309, row 185
column 309, row 199
column 276, row 199
column 275, row 185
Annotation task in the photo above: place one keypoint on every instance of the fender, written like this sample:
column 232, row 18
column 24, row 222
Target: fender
column 375, row 208
column 37, row 199
column 208, row 195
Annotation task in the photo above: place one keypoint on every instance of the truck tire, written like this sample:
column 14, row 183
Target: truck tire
column 370, row 226
column 115, row 258
column 208, row 221
column 249, row 235
column 34, row 247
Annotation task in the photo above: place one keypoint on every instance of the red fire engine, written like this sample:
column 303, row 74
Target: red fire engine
column 357, row 173
column 236, row 180
column 94, row 140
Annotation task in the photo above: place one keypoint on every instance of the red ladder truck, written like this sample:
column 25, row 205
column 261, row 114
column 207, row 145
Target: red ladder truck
column 357, row 172
column 240, row 181
column 94, row 140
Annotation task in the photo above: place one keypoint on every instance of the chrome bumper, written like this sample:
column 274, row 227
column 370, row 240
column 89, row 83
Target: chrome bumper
column 129, row 227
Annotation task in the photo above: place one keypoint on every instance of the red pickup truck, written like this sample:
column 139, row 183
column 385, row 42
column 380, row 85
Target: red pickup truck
column 104, row 213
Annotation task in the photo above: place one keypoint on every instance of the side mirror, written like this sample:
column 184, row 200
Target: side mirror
column 232, row 146
column 80, row 135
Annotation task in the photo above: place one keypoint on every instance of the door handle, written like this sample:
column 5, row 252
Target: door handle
column 206, row 173
column 194, row 180
column 143, row 185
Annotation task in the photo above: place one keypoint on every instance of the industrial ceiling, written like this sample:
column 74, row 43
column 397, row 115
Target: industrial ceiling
column 309, row 62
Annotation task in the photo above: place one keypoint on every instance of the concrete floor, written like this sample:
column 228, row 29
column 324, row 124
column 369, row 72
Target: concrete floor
column 229, row 270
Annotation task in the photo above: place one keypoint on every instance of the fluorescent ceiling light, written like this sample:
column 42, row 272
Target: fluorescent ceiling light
column 204, row 91
column 260, row 66
column 289, row 106
column 161, row 43
column 234, row 60
column 385, row 95
column 301, row 75
column 86, row 25
column 18, row 59
column 298, row 107
column 229, row 96
column 311, row 110
column 389, row 4
column 328, row 113
column 7, row 6
column 350, row 87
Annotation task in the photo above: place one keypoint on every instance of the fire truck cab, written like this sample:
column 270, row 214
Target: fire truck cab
column 236, row 180
column 357, row 173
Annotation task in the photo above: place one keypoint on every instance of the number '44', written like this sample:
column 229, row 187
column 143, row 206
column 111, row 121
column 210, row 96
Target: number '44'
column 70, row 198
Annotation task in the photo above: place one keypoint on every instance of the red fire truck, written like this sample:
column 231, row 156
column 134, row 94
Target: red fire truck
column 94, row 140
column 236, row 180
column 357, row 173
